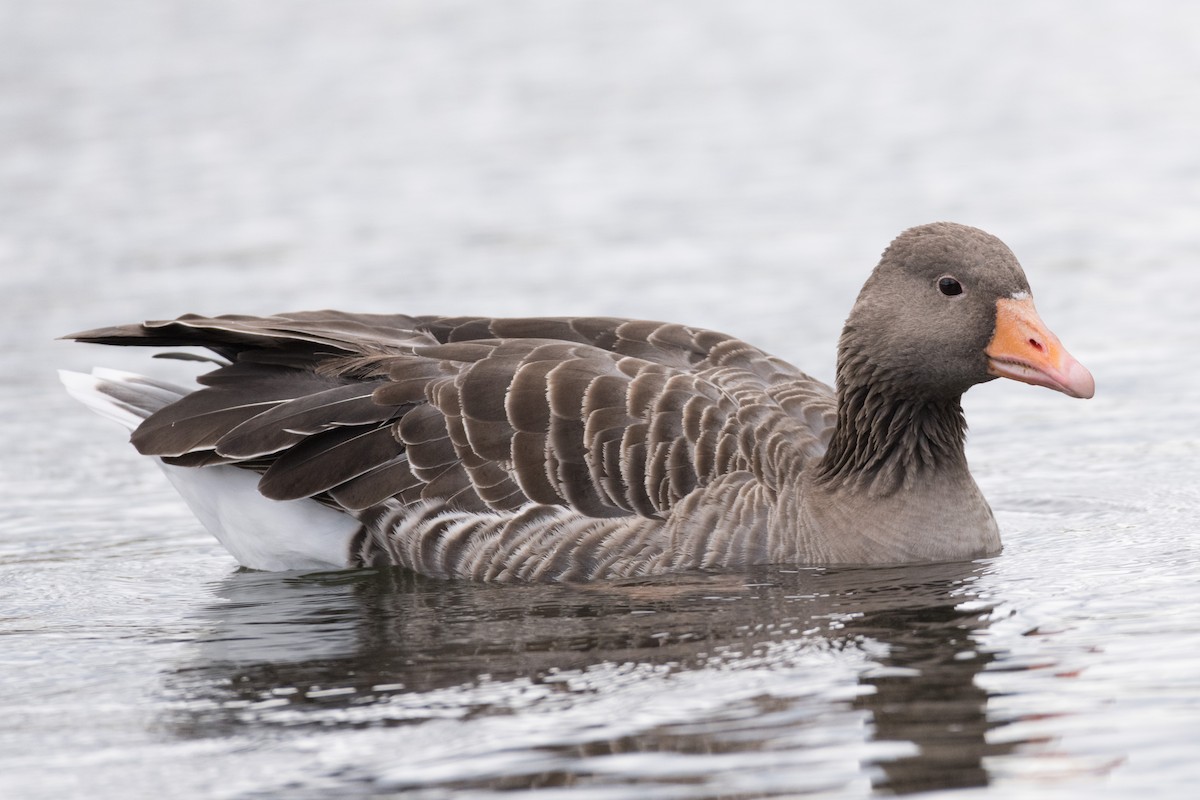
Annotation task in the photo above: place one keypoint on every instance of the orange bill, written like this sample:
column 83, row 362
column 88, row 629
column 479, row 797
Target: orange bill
column 1024, row 349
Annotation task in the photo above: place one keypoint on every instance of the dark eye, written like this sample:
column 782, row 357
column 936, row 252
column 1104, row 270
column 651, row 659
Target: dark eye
column 949, row 286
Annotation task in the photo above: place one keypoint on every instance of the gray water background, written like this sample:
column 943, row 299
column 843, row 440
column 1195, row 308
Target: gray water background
column 732, row 165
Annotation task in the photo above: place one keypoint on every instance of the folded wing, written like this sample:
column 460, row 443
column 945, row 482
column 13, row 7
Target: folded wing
column 608, row 417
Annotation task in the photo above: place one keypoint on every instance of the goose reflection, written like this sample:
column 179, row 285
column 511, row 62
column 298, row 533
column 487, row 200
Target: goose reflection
column 894, row 648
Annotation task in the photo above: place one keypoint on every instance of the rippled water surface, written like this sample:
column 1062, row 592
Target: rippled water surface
column 737, row 166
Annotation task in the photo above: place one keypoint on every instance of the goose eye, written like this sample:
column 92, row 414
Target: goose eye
column 949, row 286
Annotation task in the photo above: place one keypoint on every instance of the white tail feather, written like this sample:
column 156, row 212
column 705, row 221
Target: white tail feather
column 260, row 533
column 106, row 391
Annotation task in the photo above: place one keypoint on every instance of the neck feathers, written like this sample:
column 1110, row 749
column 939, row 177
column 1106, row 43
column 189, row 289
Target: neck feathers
column 887, row 438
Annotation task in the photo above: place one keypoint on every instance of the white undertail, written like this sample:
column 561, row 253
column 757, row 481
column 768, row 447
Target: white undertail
column 259, row 532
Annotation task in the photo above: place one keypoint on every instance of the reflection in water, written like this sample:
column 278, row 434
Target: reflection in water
column 926, row 694
column 770, row 676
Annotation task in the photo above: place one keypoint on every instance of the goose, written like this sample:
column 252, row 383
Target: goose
column 582, row 448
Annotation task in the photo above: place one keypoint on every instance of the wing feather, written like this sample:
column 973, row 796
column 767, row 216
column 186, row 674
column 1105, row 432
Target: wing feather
column 607, row 416
column 294, row 420
column 326, row 460
column 200, row 419
column 391, row 479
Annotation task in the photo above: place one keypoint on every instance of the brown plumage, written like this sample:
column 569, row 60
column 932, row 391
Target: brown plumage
column 578, row 448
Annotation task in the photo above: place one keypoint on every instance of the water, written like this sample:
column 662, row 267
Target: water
column 734, row 166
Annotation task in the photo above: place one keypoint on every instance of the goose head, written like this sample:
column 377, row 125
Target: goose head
column 948, row 307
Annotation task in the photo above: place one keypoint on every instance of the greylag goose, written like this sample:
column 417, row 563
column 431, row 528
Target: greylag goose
column 583, row 448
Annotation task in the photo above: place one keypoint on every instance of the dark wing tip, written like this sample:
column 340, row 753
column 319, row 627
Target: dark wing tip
column 112, row 334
